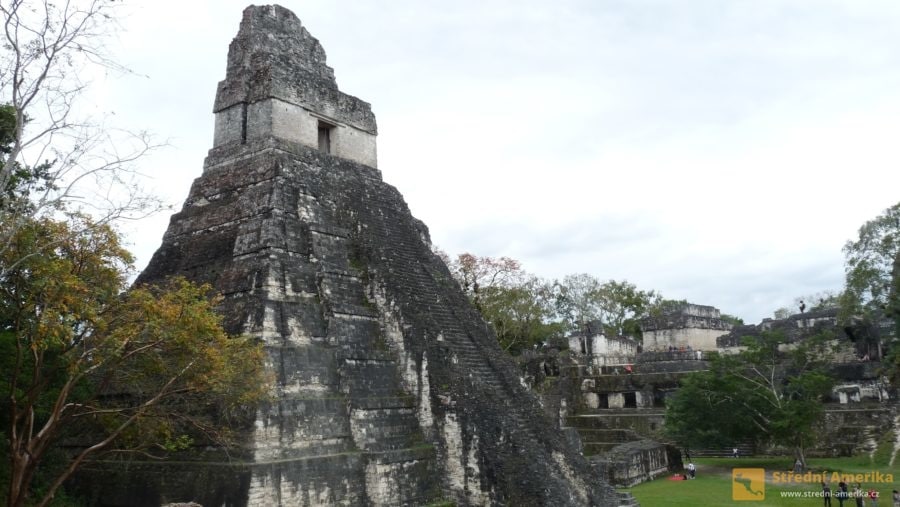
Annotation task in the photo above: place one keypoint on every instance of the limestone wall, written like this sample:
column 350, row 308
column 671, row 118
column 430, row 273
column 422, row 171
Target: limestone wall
column 602, row 350
column 294, row 123
column 280, row 86
column 680, row 339
column 684, row 325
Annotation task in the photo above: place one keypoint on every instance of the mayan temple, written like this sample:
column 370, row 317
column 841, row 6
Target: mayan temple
column 390, row 389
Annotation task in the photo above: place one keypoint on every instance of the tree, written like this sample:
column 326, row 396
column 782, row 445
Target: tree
column 476, row 275
column 518, row 306
column 148, row 370
column 520, row 313
column 771, row 392
column 621, row 306
column 72, row 157
column 582, row 298
column 892, row 365
column 869, row 262
column 822, row 300
column 783, row 313
column 893, row 305
column 732, row 319
column 576, row 296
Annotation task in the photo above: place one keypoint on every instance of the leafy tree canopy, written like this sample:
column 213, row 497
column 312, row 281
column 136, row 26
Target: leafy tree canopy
column 869, row 264
column 771, row 392
column 149, row 370
column 619, row 305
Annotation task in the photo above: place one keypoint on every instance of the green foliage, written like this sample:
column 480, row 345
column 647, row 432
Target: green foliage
column 525, row 310
column 892, row 361
column 770, row 392
column 23, row 181
column 518, row 306
column 885, row 451
column 7, row 129
column 520, row 313
column 869, row 264
column 731, row 319
column 619, row 305
column 149, row 370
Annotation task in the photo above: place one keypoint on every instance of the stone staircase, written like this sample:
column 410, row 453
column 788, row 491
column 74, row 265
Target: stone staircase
column 480, row 378
column 626, row 499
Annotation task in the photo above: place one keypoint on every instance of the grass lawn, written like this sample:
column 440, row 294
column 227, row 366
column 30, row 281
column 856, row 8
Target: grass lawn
column 713, row 484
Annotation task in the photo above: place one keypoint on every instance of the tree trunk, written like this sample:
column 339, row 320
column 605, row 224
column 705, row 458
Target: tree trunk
column 20, row 478
column 799, row 455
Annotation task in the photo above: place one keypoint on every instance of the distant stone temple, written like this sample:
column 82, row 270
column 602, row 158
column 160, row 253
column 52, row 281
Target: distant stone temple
column 684, row 326
column 853, row 351
column 602, row 350
column 389, row 389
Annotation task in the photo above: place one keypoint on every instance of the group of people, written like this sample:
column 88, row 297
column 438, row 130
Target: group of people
column 690, row 472
column 843, row 493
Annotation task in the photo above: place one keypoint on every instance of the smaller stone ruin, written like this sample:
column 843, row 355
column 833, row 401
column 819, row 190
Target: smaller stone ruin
column 684, row 327
column 599, row 350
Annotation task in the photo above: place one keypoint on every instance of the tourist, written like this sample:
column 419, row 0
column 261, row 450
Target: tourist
column 692, row 470
column 858, row 494
column 873, row 497
column 896, row 498
column 842, row 493
column 826, row 494
column 734, row 452
column 798, row 466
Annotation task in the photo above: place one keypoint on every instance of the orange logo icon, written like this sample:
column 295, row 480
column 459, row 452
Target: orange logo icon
column 748, row 484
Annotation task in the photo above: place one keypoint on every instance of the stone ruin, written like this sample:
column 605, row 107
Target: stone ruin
column 389, row 387
column 619, row 414
column 599, row 350
column 854, row 358
column 684, row 326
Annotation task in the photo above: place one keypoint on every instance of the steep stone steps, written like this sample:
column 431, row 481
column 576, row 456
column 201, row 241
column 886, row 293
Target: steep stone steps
column 468, row 355
column 626, row 499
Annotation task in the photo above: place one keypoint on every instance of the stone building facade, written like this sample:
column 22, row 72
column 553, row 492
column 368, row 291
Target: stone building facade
column 684, row 326
column 601, row 350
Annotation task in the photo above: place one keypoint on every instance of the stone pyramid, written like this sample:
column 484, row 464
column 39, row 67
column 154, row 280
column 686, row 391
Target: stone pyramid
column 390, row 388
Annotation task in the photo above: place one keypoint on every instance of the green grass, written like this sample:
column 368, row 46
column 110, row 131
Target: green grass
column 713, row 485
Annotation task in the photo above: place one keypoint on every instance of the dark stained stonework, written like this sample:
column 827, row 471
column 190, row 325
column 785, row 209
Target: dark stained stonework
column 390, row 388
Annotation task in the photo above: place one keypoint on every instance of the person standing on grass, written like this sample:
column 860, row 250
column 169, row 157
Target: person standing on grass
column 692, row 470
column 873, row 497
column 826, row 494
column 859, row 494
column 842, row 493
column 896, row 498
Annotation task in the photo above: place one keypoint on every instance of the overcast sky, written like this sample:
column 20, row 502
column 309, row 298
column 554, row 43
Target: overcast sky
column 716, row 151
